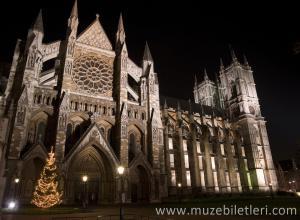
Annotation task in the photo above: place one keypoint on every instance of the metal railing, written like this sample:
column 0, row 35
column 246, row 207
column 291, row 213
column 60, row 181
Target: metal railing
column 128, row 217
column 110, row 217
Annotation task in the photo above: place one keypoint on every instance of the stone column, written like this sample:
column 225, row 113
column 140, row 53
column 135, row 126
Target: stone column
column 194, row 162
column 208, row 167
column 230, row 159
column 270, row 169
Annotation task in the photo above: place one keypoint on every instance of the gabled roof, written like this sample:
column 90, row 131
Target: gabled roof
column 34, row 149
column 95, row 36
column 93, row 133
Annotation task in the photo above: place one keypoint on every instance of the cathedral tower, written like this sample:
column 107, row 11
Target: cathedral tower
column 241, row 102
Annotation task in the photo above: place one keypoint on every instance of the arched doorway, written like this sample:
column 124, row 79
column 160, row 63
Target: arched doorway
column 100, row 186
column 140, row 185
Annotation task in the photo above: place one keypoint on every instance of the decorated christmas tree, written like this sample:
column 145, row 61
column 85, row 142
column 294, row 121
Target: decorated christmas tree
column 46, row 193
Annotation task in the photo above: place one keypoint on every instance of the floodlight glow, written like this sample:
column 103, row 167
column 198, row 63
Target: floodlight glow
column 121, row 170
column 84, row 178
column 11, row 205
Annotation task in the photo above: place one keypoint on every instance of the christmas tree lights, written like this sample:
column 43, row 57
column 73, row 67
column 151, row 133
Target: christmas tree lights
column 46, row 193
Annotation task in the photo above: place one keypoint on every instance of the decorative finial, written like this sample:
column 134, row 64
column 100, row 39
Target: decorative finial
column 205, row 75
column 196, row 82
column 74, row 12
column 233, row 56
column 221, row 64
column 38, row 24
column 121, row 25
column 217, row 79
column 120, row 35
column 190, row 106
column 178, row 106
column 245, row 60
column 165, row 104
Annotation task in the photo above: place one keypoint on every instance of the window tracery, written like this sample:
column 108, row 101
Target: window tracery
column 92, row 74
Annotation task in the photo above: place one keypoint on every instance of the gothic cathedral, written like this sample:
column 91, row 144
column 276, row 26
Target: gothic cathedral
column 100, row 110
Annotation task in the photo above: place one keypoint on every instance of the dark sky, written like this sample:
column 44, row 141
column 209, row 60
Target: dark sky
column 185, row 38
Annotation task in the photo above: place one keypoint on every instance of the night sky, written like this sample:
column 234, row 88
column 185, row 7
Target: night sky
column 185, row 38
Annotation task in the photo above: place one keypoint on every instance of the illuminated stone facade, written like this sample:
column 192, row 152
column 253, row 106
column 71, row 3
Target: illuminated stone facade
column 100, row 110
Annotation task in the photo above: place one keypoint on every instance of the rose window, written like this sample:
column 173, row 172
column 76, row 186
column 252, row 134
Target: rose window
column 92, row 74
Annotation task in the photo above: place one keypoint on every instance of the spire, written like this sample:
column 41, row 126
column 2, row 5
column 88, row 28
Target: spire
column 201, row 110
column 232, row 53
column 74, row 12
column 120, row 36
column 190, row 107
column 178, row 106
column 165, row 104
column 205, row 75
column 73, row 19
column 245, row 60
column 218, row 98
column 196, row 82
column 38, row 25
column 221, row 64
column 217, row 79
column 121, row 25
column 147, row 55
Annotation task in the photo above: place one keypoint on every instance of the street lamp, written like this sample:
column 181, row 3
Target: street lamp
column 294, row 185
column 290, row 190
column 121, row 170
column 84, row 180
column 13, row 203
column 179, row 189
column 17, row 180
column 290, row 186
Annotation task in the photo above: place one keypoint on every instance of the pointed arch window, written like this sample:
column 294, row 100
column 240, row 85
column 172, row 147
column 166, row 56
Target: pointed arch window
column 109, row 136
column 69, row 130
column 77, row 131
column 233, row 89
column 102, row 130
column 132, row 146
column 48, row 101
column 252, row 110
column 39, row 99
column 41, row 130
